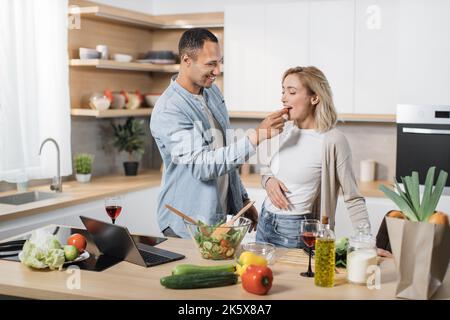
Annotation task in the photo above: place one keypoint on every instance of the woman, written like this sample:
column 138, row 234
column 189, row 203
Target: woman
column 312, row 164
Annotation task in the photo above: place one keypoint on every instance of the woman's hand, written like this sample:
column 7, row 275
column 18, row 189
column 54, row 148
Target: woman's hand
column 275, row 190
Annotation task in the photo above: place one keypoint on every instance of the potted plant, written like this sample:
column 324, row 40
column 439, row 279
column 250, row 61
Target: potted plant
column 83, row 166
column 128, row 138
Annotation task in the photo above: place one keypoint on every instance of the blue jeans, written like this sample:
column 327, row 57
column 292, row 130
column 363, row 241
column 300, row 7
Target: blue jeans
column 280, row 230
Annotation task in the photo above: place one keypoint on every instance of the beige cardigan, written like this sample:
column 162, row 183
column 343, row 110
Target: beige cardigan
column 337, row 173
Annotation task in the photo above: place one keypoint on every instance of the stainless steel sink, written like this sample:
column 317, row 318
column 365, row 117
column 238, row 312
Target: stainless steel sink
column 26, row 197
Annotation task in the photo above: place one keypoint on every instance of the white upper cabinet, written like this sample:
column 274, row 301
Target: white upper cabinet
column 332, row 47
column 286, row 46
column 375, row 53
column 244, row 65
column 424, row 52
column 376, row 56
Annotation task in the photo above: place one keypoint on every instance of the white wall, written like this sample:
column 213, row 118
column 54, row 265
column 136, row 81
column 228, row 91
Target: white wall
column 143, row 6
column 158, row 7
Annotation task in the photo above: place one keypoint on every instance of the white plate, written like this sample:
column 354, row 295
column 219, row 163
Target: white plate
column 85, row 255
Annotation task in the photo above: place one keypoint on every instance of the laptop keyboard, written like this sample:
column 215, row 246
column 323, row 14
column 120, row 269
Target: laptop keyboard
column 152, row 259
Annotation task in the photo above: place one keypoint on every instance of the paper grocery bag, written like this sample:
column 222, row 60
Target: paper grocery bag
column 421, row 253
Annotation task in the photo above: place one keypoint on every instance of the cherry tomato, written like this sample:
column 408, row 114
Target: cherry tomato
column 224, row 243
column 78, row 241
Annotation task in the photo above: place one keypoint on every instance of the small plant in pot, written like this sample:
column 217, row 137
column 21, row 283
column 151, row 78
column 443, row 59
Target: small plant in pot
column 83, row 166
column 128, row 138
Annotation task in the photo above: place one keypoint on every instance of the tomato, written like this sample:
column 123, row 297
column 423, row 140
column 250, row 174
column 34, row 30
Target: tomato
column 224, row 243
column 78, row 241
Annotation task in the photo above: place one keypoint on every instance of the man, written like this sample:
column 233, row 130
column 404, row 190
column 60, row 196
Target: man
column 189, row 124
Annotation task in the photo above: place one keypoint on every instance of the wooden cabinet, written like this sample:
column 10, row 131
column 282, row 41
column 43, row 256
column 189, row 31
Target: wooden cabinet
column 128, row 32
column 331, row 47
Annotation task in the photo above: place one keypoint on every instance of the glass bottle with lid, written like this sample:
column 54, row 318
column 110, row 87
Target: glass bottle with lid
column 361, row 255
column 324, row 261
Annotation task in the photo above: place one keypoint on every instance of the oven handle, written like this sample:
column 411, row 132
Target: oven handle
column 425, row 131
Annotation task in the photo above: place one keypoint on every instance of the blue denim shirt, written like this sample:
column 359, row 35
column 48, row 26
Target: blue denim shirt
column 191, row 166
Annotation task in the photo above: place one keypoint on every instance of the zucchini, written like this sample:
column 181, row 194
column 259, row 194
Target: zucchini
column 191, row 268
column 199, row 280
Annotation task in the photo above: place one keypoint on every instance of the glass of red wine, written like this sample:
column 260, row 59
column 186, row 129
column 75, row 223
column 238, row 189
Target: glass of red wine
column 113, row 206
column 308, row 232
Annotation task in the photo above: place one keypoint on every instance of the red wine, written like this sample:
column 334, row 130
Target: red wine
column 113, row 211
column 309, row 238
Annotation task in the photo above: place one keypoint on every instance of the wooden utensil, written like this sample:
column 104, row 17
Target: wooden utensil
column 181, row 214
column 186, row 217
column 225, row 227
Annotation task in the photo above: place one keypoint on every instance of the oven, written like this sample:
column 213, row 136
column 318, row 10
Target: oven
column 423, row 140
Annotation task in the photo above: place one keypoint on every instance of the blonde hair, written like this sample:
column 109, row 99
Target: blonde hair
column 317, row 84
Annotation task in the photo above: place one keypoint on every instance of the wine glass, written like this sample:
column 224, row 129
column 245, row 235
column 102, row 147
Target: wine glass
column 308, row 232
column 113, row 206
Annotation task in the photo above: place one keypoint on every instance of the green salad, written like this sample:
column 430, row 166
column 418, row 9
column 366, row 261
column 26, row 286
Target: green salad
column 217, row 249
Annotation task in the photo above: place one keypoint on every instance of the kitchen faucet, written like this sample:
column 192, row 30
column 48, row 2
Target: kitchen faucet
column 57, row 182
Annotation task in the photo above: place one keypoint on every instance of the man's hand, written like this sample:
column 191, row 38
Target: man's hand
column 271, row 126
column 251, row 214
column 384, row 253
column 275, row 190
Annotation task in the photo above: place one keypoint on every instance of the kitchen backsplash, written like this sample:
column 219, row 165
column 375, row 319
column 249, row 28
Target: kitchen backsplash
column 375, row 141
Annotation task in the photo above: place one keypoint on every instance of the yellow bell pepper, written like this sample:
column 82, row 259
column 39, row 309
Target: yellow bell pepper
column 249, row 258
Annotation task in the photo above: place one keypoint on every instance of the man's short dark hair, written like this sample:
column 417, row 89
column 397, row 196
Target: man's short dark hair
column 193, row 40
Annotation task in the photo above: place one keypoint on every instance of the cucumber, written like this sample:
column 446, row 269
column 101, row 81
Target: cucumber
column 191, row 268
column 199, row 280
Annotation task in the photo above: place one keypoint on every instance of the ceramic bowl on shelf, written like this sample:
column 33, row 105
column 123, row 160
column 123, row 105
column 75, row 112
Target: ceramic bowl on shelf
column 158, row 57
column 151, row 99
column 98, row 101
column 134, row 100
column 119, row 100
column 86, row 53
column 120, row 57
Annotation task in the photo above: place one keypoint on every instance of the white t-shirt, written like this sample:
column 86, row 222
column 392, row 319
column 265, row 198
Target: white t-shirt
column 298, row 164
column 219, row 142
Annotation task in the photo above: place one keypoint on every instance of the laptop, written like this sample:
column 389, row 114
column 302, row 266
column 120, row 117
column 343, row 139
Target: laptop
column 117, row 242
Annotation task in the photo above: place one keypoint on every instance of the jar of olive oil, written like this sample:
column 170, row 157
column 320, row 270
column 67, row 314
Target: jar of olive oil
column 324, row 261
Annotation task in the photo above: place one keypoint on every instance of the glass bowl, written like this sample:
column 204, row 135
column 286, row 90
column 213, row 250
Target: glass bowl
column 264, row 249
column 222, row 247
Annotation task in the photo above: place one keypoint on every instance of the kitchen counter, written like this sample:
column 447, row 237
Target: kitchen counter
column 129, row 281
column 76, row 193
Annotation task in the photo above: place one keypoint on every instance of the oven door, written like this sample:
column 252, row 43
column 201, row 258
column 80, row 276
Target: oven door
column 421, row 146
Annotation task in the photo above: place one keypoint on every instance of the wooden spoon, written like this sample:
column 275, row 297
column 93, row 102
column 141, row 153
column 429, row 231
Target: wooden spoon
column 225, row 227
column 186, row 217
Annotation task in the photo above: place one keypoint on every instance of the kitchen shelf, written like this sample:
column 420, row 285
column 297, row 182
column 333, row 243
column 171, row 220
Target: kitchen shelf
column 345, row 117
column 111, row 113
column 130, row 66
column 91, row 10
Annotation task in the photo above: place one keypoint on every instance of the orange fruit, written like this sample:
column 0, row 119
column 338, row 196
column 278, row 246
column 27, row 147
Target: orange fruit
column 396, row 214
column 438, row 218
